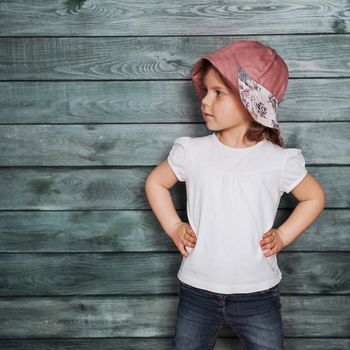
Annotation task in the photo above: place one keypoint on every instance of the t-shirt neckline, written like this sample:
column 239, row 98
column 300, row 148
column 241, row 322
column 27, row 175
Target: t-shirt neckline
column 235, row 149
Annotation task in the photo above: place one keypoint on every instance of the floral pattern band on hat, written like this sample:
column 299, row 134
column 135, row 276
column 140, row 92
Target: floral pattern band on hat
column 261, row 103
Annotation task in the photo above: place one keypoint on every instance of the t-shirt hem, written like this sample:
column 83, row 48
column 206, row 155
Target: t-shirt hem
column 297, row 181
column 227, row 289
column 175, row 169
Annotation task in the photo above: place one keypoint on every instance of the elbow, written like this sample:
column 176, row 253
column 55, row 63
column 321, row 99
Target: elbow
column 148, row 182
column 323, row 199
column 148, row 187
column 318, row 200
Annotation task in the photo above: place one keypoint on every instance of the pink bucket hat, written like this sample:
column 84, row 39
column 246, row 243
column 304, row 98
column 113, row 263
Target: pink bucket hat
column 255, row 71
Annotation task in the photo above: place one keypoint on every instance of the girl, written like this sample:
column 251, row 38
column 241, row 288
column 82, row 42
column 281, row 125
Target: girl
column 235, row 177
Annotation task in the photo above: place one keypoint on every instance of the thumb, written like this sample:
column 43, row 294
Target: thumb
column 183, row 250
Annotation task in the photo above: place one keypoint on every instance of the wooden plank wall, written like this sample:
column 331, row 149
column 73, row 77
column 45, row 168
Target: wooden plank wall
column 92, row 95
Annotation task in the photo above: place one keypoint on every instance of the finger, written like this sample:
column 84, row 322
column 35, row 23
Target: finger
column 189, row 243
column 189, row 238
column 191, row 232
column 267, row 234
column 185, row 242
column 268, row 245
column 272, row 251
column 189, row 228
column 183, row 250
column 266, row 240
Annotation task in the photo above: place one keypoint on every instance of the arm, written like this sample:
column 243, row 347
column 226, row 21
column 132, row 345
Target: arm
column 157, row 187
column 312, row 200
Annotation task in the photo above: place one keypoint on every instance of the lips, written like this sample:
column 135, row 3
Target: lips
column 207, row 115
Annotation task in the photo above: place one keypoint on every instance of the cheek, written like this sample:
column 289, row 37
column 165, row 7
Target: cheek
column 229, row 110
column 239, row 110
column 239, row 106
column 227, row 106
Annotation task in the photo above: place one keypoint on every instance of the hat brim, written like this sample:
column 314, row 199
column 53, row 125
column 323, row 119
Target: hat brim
column 197, row 77
column 261, row 103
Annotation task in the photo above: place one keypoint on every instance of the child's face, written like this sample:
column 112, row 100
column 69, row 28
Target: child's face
column 224, row 106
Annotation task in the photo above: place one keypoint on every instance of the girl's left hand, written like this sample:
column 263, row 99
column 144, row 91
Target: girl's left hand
column 272, row 242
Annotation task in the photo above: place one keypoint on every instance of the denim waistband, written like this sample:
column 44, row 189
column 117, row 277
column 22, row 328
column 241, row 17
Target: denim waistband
column 274, row 289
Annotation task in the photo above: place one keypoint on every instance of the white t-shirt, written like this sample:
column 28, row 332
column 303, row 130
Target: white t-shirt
column 232, row 199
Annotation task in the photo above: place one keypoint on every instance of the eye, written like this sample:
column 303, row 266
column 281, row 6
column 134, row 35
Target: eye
column 219, row 92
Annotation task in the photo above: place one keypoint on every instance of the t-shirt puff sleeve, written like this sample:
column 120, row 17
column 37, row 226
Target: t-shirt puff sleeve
column 178, row 157
column 294, row 169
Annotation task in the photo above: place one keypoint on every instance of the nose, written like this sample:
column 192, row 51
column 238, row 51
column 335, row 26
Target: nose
column 205, row 101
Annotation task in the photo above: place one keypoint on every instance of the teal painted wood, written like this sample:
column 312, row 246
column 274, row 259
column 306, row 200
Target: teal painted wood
column 138, row 231
column 142, row 58
column 109, row 145
column 325, row 99
column 172, row 18
column 74, row 219
column 141, row 343
column 53, row 274
column 152, row 316
column 119, row 189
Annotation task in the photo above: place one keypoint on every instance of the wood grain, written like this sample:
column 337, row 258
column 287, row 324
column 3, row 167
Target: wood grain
column 166, row 101
column 92, row 95
column 101, row 18
column 151, row 316
column 121, row 189
column 125, row 145
column 53, row 274
column 123, row 231
column 158, row 58
column 143, row 343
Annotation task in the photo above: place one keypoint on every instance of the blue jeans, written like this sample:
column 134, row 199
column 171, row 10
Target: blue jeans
column 255, row 317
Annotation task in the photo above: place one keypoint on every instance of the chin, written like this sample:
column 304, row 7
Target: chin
column 212, row 128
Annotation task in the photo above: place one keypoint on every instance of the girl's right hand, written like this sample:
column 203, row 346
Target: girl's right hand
column 183, row 235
